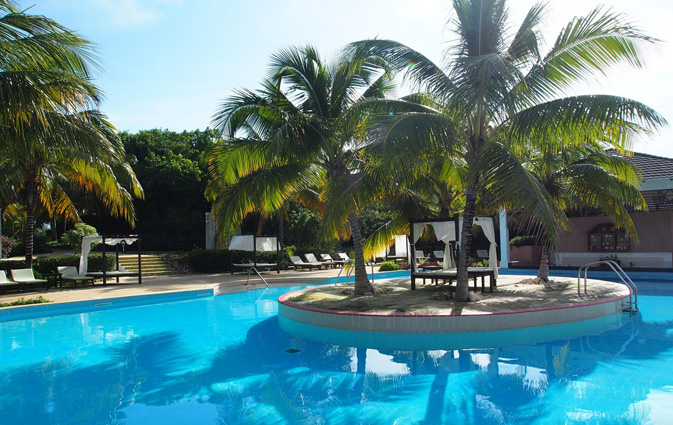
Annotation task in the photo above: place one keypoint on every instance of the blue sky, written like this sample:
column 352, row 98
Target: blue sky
column 169, row 63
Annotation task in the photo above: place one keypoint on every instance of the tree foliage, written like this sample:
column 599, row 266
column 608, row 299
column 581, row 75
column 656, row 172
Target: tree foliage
column 172, row 168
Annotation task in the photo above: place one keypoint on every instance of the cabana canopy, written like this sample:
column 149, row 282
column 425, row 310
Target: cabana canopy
column 87, row 241
column 253, row 243
column 401, row 245
column 447, row 231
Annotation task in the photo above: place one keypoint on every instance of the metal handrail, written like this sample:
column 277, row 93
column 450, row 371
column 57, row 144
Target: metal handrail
column 626, row 280
column 250, row 270
column 348, row 275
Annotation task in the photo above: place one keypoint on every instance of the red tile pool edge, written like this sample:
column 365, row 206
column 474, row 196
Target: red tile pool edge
column 283, row 300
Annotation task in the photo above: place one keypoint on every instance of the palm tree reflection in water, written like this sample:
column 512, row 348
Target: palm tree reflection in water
column 258, row 381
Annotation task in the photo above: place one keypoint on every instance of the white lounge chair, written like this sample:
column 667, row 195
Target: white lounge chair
column 310, row 258
column 325, row 258
column 344, row 256
column 71, row 274
column 26, row 276
column 6, row 283
column 298, row 262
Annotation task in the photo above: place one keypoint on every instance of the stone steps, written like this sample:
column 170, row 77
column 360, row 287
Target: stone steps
column 152, row 265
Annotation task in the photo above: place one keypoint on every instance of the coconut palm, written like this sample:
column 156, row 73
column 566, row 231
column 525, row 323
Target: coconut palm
column 582, row 176
column 303, row 129
column 51, row 134
column 498, row 90
column 48, row 165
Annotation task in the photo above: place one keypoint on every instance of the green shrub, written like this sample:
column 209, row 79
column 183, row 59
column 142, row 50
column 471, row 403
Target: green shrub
column 389, row 266
column 523, row 241
column 23, row 301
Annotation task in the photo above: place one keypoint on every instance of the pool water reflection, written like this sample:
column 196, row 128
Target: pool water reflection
column 225, row 360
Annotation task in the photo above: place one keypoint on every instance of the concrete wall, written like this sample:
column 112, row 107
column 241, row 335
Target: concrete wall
column 655, row 247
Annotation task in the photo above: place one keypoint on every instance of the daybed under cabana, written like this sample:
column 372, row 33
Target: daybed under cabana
column 115, row 241
column 254, row 244
column 447, row 231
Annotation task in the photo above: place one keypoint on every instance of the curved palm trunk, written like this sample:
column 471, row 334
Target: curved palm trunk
column 281, row 234
column 462, row 286
column 543, row 272
column 28, row 235
column 362, row 284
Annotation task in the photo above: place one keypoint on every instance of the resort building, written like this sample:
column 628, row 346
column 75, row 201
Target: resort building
column 593, row 236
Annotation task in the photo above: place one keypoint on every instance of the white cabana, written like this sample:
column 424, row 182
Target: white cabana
column 401, row 244
column 87, row 241
column 447, row 232
column 254, row 244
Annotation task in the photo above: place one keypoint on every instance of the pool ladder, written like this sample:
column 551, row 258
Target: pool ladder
column 254, row 269
column 350, row 271
column 632, row 304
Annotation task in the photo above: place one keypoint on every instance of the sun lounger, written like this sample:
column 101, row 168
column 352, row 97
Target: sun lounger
column 298, row 262
column 310, row 258
column 26, row 276
column 338, row 260
column 6, row 283
column 71, row 274
column 325, row 258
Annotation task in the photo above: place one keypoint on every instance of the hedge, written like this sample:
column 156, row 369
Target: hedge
column 220, row 260
column 50, row 264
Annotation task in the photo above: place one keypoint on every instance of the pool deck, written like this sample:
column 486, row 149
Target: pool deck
column 128, row 287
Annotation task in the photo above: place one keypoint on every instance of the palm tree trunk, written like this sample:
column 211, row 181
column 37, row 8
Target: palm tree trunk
column 543, row 272
column 462, row 286
column 28, row 235
column 281, row 234
column 362, row 284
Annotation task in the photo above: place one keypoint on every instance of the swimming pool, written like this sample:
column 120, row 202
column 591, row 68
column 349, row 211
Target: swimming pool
column 224, row 360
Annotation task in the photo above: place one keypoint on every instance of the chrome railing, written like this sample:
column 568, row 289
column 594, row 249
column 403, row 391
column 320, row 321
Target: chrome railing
column 350, row 271
column 621, row 274
column 250, row 270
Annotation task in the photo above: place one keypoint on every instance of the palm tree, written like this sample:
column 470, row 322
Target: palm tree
column 51, row 134
column 304, row 129
column 586, row 176
column 45, row 168
column 499, row 91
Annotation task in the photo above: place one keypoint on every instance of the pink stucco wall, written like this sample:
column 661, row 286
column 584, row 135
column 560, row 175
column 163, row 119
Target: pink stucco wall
column 655, row 247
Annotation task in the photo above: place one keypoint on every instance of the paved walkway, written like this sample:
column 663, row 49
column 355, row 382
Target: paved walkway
column 153, row 285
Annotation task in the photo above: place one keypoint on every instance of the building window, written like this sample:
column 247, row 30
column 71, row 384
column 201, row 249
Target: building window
column 606, row 238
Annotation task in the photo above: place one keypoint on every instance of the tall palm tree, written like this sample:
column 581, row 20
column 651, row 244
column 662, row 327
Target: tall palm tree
column 586, row 176
column 303, row 129
column 47, row 165
column 51, row 132
column 499, row 90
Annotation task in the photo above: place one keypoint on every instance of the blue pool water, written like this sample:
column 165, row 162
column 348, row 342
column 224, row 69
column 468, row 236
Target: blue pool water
column 224, row 360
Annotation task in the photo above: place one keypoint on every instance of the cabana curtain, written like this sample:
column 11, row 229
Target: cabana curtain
column 445, row 231
column 87, row 241
column 245, row 243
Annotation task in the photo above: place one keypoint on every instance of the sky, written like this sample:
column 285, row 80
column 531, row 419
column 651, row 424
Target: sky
column 170, row 63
